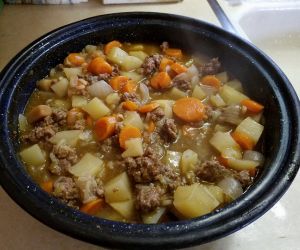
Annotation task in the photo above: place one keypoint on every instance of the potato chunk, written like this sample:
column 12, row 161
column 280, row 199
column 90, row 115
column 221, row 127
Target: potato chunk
column 132, row 118
column 96, row 108
column 251, row 128
column 221, row 141
column 69, row 137
column 117, row 55
column 125, row 208
column 60, row 88
column 131, row 63
column 33, row 155
column 89, row 165
column 155, row 216
column 189, row 160
column 231, row 96
column 134, row 148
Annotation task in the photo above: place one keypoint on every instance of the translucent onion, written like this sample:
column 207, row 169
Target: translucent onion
column 208, row 90
column 231, row 114
column 231, row 187
column 144, row 93
column 100, row 89
column 254, row 156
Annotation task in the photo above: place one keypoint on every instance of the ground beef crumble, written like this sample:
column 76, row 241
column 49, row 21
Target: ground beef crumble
column 151, row 64
column 210, row 68
column 147, row 197
column 65, row 188
column 181, row 84
column 169, row 130
column 155, row 115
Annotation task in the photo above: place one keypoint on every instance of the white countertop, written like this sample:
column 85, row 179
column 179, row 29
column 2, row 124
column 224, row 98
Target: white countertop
column 278, row 229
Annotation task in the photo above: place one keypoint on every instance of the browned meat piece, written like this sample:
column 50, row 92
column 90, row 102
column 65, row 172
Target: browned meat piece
column 183, row 85
column 59, row 116
column 164, row 46
column 89, row 188
column 92, row 79
column 169, row 130
column 211, row 68
column 110, row 146
column 156, row 115
column 116, row 71
column 151, row 64
column 40, row 134
column 65, row 189
column 147, row 197
column 62, row 157
column 130, row 97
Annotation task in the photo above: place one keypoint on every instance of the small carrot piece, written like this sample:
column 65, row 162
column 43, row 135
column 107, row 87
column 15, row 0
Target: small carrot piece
column 252, row 106
column 173, row 52
column 99, row 66
column 151, row 127
column 128, row 132
column 189, row 109
column 211, row 80
column 130, row 105
column 111, row 45
column 129, row 87
column 223, row 161
column 89, row 121
column 92, row 207
column 47, row 186
column 178, row 68
column 75, row 59
column 243, row 140
column 252, row 172
column 164, row 63
column 105, row 127
column 160, row 80
column 148, row 107
column 118, row 82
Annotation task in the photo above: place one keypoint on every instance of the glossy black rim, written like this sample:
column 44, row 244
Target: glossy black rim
column 262, row 195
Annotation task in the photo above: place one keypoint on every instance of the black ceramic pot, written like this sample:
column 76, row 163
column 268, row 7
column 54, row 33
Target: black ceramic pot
column 263, row 80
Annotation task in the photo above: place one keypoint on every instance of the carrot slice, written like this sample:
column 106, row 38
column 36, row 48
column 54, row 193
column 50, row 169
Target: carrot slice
column 252, row 172
column 47, row 186
column 105, row 127
column 243, row 140
column 118, row 82
column 189, row 109
column 128, row 132
column 99, row 66
column 223, row 161
column 129, row 87
column 129, row 105
column 111, row 45
column 89, row 121
column 151, row 127
column 160, row 80
column 75, row 59
column 148, row 107
column 252, row 106
column 164, row 63
column 178, row 68
column 173, row 52
column 211, row 80
column 92, row 207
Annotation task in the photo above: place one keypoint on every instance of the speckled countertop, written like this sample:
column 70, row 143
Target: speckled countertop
column 19, row 25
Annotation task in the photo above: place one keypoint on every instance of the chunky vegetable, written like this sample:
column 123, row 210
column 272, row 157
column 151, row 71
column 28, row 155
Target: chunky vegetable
column 33, row 155
column 89, row 165
column 105, row 127
column 128, row 132
column 189, row 109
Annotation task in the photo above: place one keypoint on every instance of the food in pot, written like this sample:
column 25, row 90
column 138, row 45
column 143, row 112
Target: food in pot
column 141, row 133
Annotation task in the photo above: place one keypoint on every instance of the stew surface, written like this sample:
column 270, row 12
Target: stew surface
column 141, row 133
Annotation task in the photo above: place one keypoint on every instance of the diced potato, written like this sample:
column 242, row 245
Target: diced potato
column 90, row 48
column 136, row 47
column 172, row 158
column 223, row 77
column 235, row 84
column 118, row 189
column 69, row 72
column 125, row 208
column 133, row 118
column 89, row 165
column 198, row 93
column 231, row 153
column 68, row 137
column 155, row 216
column 131, row 63
column 166, row 105
column 44, row 84
column 189, row 160
column 250, row 128
column 217, row 101
column 231, row 96
column 176, row 93
column 139, row 54
column 222, row 141
column 60, row 88
column 132, row 75
column 96, row 108
column 33, row 155
column 112, row 99
column 117, row 55
column 58, row 103
column 23, row 124
column 109, row 213
column 134, row 148
column 79, row 101
column 194, row 200
column 216, row 192
column 239, row 164
column 222, row 128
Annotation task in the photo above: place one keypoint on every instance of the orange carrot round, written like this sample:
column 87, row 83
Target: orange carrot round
column 99, row 66
column 151, row 127
column 129, row 105
column 47, row 186
column 128, row 132
column 75, row 59
column 252, row 106
column 129, row 87
column 111, row 45
column 92, row 207
column 164, row 63
column 148, row 107
column 118, row 82
column 189, row 109
column 178, row 68
column 105, row 127
column 211, row 80
column 173, row 52
column 243, row 140
column 160, row 80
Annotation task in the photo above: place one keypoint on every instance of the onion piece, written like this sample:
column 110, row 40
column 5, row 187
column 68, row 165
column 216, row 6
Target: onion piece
column 208, row 90
column 144, row 93
column 254, row 156
column 100, row 89
column 231, row 187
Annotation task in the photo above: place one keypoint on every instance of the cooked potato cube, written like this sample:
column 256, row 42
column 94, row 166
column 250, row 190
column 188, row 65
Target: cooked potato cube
column 96, row 108
column 68, row 137
column 221, row 141
column 134, row 148
column 125, row 208
column 79, row 101
column 89, row 165
column 131, row 63
column 231, row 96
column 235, row 84
column 223, row 77
column 132, row 118
column 155, row 216
column 118, row 189
column 90, row 48
column 216, row 192
column 251, row 128
column 139, row 54
column 217, row 101
column 23, row 124
column 189, row 160
column 166, row 105
column 44, row 84
column 60, row 88
column 132, row 75
column 113, row 99
column 198, row 93
column 71, row 72
column 33, row 155
column 239, row 164
column 117, row 55
column 176, row 93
